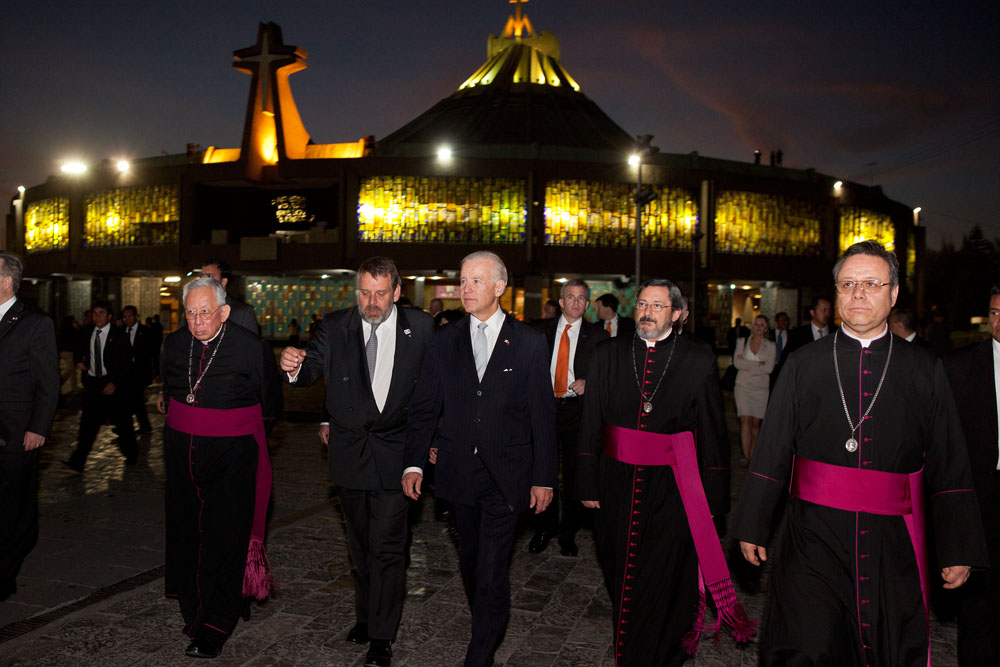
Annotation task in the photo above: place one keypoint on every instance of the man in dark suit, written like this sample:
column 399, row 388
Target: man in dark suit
column 106, row 365
column 571, row 340
column 142, row 343
column 903, row 322
column 485, row 395
column 607, row 312
column 817, row 327
column 974, row 373
column 239, row 313
column 29, row 391
column 370, row 357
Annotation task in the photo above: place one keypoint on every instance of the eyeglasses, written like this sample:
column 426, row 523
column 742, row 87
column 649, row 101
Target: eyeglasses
column 655, row 306
column 867, row 286
column 202, row 315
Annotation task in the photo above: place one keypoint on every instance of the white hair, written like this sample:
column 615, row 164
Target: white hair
column 201, row 283
column 499, row 268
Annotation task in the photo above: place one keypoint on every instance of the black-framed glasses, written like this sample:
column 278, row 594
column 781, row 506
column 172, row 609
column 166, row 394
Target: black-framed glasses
column 867, row 286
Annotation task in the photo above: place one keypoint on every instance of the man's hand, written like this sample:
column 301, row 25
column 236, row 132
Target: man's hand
column 161, row 404
column 324, row 433
column 592, row 504
column 109, row 389
column 291, row 360
column 33, row 441
column 432, row 456
column 540, row 498
column 753, row 553
column 955, row 576
column 412, row 482
column 578, row 387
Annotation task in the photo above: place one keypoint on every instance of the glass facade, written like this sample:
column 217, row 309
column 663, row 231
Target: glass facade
column 278, row 300
column 141, row 216
column 751, row 223
column 421, row 209
column 588, row 213
column 46, row 225
column 858, row 224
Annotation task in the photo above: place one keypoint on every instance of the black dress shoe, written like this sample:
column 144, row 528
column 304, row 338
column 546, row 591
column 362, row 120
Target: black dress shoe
column 568, row 549
column 358, row 634
column 539, row 542
column 379, row 653
column 201, row 647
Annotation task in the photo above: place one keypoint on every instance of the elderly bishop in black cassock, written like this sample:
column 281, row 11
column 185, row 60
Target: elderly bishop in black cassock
column 222, row 393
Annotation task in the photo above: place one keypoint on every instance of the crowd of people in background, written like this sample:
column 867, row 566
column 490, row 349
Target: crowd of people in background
column 617, row 424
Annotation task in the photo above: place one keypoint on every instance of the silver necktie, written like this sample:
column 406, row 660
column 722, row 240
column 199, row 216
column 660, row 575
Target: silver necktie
column 371, row 351
column 479, row 350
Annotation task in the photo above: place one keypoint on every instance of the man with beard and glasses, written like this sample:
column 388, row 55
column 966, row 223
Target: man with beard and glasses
column 370, row 357
column 653, row 461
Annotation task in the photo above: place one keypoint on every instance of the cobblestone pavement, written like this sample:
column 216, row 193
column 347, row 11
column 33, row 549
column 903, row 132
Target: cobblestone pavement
column 91, row 593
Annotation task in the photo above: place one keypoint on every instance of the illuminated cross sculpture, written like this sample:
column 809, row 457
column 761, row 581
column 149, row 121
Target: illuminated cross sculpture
column 265, row 60
column 518, row 23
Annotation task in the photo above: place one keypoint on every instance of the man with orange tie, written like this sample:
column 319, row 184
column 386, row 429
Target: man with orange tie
column 607, row 316
column 571, row 339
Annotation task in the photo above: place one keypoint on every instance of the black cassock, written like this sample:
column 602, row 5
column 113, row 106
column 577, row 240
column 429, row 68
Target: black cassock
column 844, row 585
column 211, row 482
column 643, row 541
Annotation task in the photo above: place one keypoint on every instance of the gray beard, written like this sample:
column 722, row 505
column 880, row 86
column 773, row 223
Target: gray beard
column 378, row 319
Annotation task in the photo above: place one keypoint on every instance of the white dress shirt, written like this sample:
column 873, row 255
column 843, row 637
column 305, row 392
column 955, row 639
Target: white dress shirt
column 104, row 345
column 131, row 333
column 385, row 334
column 574, row 336
column 996, row 382
column 5, row 306
column 614, row 326
column 819, row 333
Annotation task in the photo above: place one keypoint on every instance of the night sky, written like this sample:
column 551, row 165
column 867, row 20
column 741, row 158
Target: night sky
column 901, row 94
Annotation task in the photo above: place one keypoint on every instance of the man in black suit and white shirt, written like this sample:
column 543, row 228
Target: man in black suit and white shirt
column 974, row 373
column 571, row 340
column 485, row 395
column 607, row 314
column 370, row 357
column 143, row 347
column 106, row 365
column 29, row 391
column 817, row 327
column 239, row 313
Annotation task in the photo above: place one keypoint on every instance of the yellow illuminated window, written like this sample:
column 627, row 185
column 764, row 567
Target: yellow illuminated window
column 278, row 300
column 587, row 213
column 751, row 223
column 141, row 216
column 441, row 210
column 290, row 209
column 46, row 225
column 858, row 224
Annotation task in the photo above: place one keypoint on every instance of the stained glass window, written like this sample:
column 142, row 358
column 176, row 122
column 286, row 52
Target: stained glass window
column 588, row 213
column 441, row 210
column 46, row 225
column 751, row 223
column 278, row 300
column 859, row 224
column 140, row 216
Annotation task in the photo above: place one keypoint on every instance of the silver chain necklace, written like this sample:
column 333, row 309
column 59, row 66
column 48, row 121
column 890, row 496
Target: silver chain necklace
column 647, row 405
column 852, row 444
column 193, row 388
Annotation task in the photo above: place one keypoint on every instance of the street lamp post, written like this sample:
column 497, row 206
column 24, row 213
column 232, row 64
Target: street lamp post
column 642, row 197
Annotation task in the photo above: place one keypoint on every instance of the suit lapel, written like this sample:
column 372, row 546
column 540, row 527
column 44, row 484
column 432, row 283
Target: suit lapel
column 11, row 317
column 985, row 366
column 466, row 360
column 355, row 337
column 503, row 351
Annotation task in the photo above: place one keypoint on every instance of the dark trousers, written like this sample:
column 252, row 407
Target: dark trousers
column 486, row 538
column 137, row 406
column 979, row 610
column 18, row 502
column 210, row 490
column 97, row 409
column 569, row 412
column 377, row 530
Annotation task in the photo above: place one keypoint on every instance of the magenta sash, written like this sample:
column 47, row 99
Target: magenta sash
column 213, row 423
column 677, row 450
column 874, row 492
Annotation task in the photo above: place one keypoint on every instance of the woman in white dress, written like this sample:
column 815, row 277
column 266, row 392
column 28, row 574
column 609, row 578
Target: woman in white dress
column 754, row 361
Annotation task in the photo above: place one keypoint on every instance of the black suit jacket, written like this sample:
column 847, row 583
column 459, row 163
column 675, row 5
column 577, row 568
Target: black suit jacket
column 590, row 335
column 366, row 446
column 508, row 417
column 29, row 373
column 242, row 314
column 143, row 350
column 970, row 371
column 116, row 356
column 798, row 337
column 626, row 326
